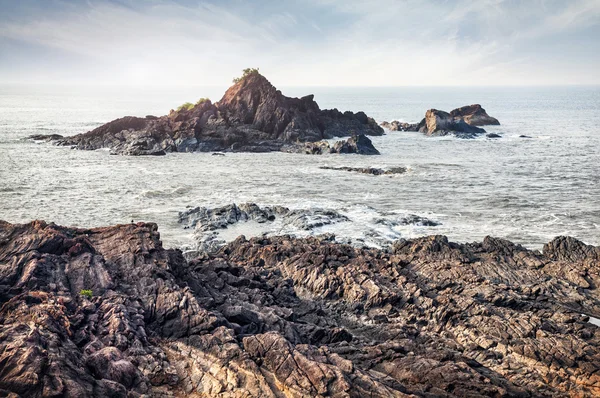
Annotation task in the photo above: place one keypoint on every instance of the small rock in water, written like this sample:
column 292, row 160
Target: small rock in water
column 493, row 135
column 368, row 170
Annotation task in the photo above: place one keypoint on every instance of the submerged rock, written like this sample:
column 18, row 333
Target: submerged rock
column 273, row 317
column 368, row 170
column 252, row 116
column 45, row 137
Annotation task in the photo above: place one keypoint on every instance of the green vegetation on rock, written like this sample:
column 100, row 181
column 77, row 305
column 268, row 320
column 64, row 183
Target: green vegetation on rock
column 185, row 107
column 246, row 72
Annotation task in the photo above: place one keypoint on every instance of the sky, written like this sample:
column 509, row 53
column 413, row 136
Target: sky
column 301, row 43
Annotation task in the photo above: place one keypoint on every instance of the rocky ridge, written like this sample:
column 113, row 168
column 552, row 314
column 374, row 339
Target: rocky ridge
column 284, row 317
column 252, row 116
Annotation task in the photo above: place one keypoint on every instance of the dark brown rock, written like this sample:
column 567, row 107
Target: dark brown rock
column 285, row 317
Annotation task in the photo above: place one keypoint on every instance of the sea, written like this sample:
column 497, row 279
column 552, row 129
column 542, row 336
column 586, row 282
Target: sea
column 525, row 189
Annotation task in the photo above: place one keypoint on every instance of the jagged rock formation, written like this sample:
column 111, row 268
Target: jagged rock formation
column 252, row 116
column 461, row 122
column 368, row 170
column 359, row 144
column 284, row 317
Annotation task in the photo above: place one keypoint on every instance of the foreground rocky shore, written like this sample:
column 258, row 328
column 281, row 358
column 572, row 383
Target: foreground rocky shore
column 110, row 312
column 252, row 116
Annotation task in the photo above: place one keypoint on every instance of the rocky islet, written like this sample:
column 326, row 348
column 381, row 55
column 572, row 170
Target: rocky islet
column 252, row 116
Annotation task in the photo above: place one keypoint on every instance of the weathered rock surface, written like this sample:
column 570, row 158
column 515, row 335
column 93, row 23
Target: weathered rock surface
column 460, row 122
column 284, row 317
column 474, row 115
column 358, row 144
column 368, row 170
column 252, row 116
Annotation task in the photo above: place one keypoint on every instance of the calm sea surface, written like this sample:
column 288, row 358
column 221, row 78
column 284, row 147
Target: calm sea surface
column 525, row 190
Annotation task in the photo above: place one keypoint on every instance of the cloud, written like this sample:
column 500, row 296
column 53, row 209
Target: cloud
column 317, row 42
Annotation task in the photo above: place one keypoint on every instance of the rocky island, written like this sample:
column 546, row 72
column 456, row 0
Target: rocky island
column 461, row 122
column 109, row 312
column 252, row 116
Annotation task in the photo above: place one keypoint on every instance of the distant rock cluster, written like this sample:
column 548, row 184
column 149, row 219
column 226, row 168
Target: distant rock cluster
column 461, row 122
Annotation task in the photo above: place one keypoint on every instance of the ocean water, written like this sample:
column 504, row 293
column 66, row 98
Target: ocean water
column 528, row 190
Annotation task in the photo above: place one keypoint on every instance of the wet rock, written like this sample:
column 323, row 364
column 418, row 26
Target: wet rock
column 208, row 221
column 45, row 137
column 252, row 116
column 396, row 125
column 368, row 170
column 282, row 316
column 493, row 135
column 359, row 144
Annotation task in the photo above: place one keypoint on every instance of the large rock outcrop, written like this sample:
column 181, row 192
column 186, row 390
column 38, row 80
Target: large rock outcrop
column 474, row 115
column 461, row 122
column 284, row 317
column 252, row 116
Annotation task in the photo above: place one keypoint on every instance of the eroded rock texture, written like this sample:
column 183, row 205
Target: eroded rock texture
column 252, row 116
column 285, row 317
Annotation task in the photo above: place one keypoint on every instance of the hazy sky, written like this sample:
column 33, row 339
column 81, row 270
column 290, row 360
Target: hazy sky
column 312, row 42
